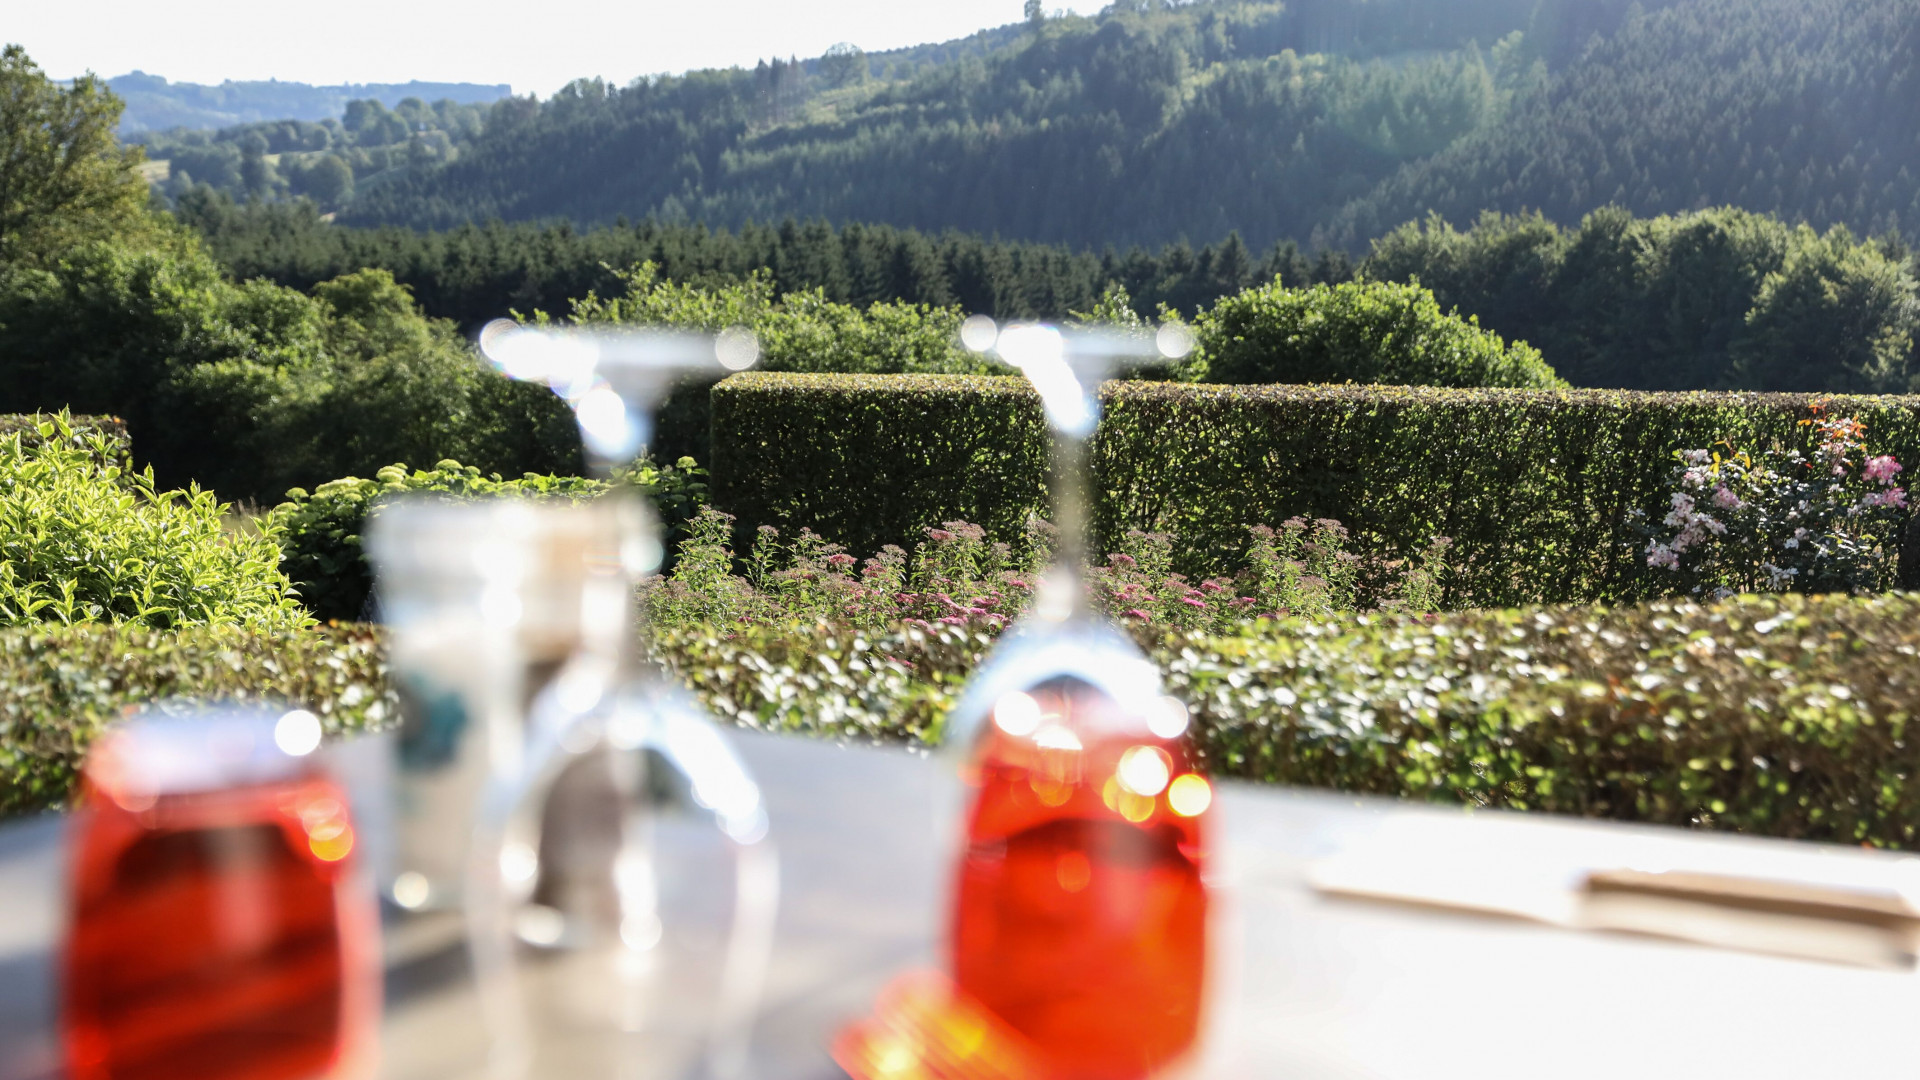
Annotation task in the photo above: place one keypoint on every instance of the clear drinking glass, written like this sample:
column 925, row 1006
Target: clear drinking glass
column 219, row 923
column 1079, row 920
column 604, row 861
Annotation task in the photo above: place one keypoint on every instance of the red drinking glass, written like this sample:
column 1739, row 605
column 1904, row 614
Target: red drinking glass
column 1081, row 915
column 218, row 931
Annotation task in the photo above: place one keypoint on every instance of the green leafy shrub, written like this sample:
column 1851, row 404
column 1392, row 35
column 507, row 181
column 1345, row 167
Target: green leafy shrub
column 1534, row 487
column 60, row 686
column 83, row 539
column 1359, row 331
column 1777, row 716
column 117, row 447
column 319, row 531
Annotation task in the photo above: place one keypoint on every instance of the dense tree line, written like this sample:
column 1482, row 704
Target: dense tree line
column 477, row 272
column 1720, row 299
column 1805, row 109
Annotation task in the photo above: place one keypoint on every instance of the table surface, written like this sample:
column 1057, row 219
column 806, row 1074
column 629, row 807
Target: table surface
column 1307, row 985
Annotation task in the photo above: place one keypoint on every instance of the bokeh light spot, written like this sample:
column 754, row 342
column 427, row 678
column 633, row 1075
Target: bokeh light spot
column 1144, row 770
column 1190, row 795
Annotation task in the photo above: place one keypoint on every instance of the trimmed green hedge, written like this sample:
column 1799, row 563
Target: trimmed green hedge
column 1533, row 486
column 60, row 687
column 1779, row 716
column 868, row 460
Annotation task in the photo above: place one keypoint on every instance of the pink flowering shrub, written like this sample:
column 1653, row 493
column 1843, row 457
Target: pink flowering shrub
column 956, row 577
column 1826, row 520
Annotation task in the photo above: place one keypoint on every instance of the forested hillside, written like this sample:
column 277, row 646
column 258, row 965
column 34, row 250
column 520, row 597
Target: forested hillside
column 155, row 104
column 1806, row 109
column 1081, row 130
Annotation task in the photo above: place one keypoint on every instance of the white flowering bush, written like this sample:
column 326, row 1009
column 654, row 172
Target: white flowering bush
column 1824, row 520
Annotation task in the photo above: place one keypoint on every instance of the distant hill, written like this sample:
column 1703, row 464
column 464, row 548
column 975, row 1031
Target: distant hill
column 154, row 104
column 1326, row 122
column 1145, row 123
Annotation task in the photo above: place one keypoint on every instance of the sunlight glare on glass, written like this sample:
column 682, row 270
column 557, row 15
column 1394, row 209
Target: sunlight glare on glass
column 1174, row 340
column 1057, row 737
column 1167, row 718
column 979, row 332
column 1017, row 714
column 604, row 420
column 737, row 348
column 297, row 734
column 1144, row 770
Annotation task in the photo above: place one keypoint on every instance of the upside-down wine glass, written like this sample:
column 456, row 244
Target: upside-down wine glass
column 628, row 979
column 219, row 922
column 1078, row 935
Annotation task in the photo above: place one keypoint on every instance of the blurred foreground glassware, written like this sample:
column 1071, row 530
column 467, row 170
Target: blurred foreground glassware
column 485, row 601
column 632, row 971
column 220, row 928
column 1080, row 912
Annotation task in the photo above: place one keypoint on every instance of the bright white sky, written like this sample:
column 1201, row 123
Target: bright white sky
column 536, row 46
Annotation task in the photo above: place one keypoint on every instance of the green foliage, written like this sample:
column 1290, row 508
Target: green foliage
column 83, row 539
column 1367, row 332
column 1699, row 104
column 65, row 180
column 1718, row 299
column 320, row 530
column 111, row 432
column 254, row 388
column 1534, row 487
column 322, row 160
column 797, row 332
column 60, row 687
column 869, row 460
column 473, row 273
column 1778, row 716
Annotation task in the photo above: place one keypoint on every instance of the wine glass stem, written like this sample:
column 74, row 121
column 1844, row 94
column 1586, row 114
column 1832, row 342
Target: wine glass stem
column 1069, row 496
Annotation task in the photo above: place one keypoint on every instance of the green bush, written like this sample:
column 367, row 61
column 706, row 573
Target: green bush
column 1534, row 487
column 1360, row 331
column 63, row 685
column 83, row 539
column 1778, row 716
column 319, row 531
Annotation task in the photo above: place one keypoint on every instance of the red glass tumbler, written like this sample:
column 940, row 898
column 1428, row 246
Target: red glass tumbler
column 217, row 930
column 1081, row 914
